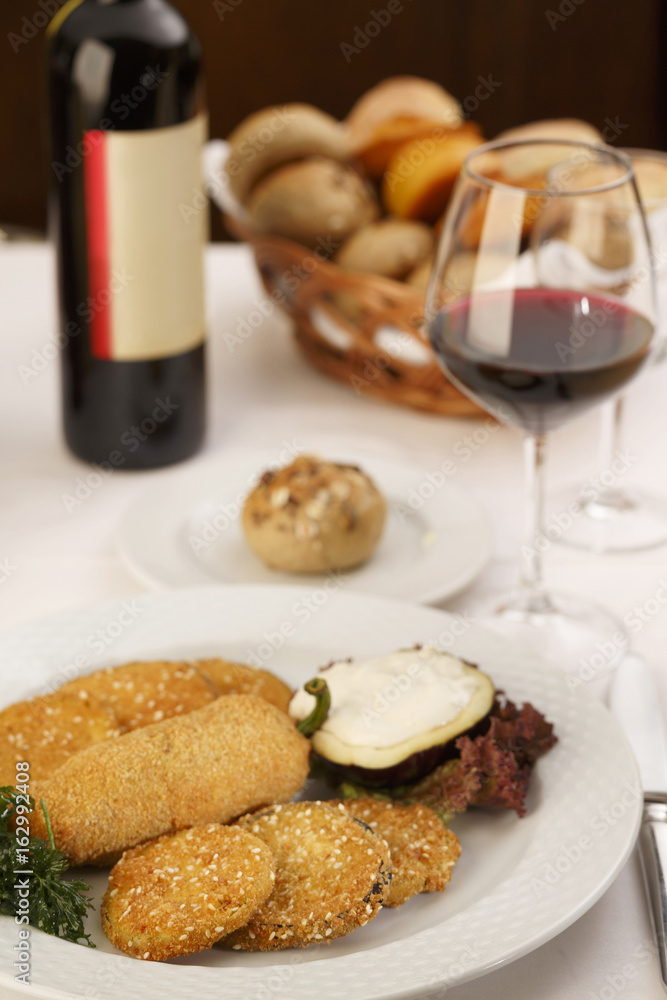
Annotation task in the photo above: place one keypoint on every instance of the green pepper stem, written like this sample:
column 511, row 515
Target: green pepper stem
column 319, row 689
column 48, row 824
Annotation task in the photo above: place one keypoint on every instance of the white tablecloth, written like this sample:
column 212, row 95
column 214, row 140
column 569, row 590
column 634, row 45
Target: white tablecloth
column 263, row 393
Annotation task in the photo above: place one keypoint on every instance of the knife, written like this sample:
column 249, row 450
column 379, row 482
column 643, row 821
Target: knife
column 635, row 702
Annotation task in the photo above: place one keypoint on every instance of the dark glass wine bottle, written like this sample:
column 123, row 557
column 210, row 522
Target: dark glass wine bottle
column 128, row 123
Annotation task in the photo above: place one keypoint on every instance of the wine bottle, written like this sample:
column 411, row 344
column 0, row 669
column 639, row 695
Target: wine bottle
column 128, row 123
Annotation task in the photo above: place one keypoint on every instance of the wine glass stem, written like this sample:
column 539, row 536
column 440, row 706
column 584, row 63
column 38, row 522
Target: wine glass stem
column 532, row 596
column 610, row 445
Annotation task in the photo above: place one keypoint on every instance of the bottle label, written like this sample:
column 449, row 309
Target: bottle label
column 146, row 225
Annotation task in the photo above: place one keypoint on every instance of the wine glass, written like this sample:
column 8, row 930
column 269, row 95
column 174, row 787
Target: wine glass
column 612, row 517
column 541, row 305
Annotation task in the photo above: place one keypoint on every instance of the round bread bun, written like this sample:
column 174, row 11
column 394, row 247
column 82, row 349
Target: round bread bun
column 278, row 135
column 527, row 167
column 651, row 175
column 421, row 275
column 419, row 180
column 396, row 110
column 312, row 199
column 391, row 247
column 314, row 516
column 408, row 97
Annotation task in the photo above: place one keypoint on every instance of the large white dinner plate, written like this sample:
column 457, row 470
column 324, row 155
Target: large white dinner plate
column 185, row 530
column 518, row 883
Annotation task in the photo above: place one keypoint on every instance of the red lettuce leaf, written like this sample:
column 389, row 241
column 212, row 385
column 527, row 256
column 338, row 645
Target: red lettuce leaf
column 494, row 768
column 524, row 731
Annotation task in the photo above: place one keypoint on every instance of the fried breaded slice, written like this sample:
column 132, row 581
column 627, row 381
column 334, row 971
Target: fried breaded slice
column 237, row 678
column 236, row 754
column 143, row 693
column 180, row 894
column 332, row 875
column 423, row 850
column 47, row 730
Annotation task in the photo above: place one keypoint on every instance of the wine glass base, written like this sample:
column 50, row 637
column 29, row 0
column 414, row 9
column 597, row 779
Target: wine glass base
column 623, row 522
column 585, row 640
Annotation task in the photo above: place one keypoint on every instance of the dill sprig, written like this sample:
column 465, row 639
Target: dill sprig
column 56, row 905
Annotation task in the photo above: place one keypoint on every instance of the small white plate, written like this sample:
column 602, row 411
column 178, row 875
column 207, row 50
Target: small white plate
column 519, row 881
column 185, row 530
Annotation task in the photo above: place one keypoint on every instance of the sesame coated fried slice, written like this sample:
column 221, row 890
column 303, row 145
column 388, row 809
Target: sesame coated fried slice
column 423, row 850
column 47, row 730
column 332, row 875
column 180, row 894
column 143, row 693
column 228, row 677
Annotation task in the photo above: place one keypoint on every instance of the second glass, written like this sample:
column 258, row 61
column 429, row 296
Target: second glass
column 614, row 518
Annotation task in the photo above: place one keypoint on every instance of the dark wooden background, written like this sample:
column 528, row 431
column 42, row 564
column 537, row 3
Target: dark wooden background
column 602, row 60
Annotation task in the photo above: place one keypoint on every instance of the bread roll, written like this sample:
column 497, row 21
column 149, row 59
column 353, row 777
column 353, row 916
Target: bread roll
column 314, row 516
column 396, row 110
column 279, row 135
column 651, row 175
column 420, row 176
column 391, row 247
column 310, row 200
column 527, row 167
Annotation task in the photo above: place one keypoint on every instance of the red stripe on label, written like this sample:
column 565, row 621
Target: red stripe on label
column 97, row 237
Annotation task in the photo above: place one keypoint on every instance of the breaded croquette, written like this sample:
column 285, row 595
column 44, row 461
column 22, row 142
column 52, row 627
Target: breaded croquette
column 143, row 693
column 49, row 729
column 423, row 850
column 237, row 754
column 180, row 894
column 237, row 678
column 332, row 875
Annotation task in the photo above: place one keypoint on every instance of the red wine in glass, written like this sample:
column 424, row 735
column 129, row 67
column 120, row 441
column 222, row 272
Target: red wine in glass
column 539, row 356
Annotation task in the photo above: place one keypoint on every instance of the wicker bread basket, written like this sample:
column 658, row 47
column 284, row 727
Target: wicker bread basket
column 359, row 328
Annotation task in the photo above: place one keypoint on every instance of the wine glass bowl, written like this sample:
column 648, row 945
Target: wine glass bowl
column 553, row 312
